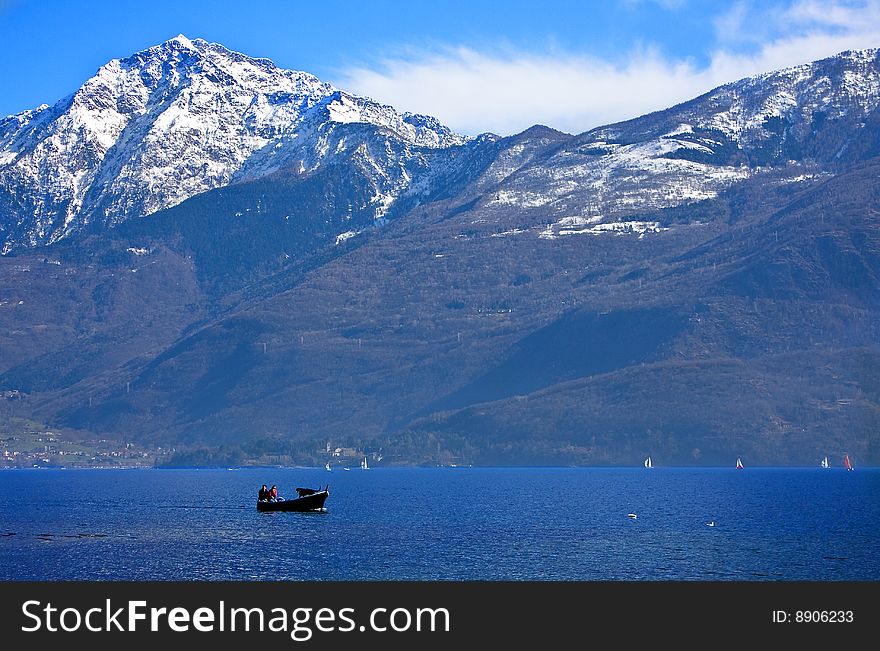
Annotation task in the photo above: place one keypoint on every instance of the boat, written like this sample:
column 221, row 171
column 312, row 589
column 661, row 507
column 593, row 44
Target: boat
column 309, row 499
column 364, row 465
column 327, row 466
column 846, row 462
column 631, row 516
column 648, row 463
column 739, row 464
column 825, row 463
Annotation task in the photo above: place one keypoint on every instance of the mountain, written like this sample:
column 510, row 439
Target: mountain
column 173, row 121
column 796, row 122
column 696, row 284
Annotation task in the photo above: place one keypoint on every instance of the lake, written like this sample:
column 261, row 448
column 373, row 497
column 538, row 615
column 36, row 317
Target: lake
column 443, row 524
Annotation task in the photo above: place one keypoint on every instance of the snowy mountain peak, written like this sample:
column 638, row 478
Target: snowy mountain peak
column 847, row 83
column 183, row 41
column 151, row 130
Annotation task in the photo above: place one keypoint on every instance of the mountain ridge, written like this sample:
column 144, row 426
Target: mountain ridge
column 658, row 286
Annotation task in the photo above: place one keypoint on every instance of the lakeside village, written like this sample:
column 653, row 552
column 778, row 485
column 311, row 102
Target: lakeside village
column 44, row 448
column 28, row 444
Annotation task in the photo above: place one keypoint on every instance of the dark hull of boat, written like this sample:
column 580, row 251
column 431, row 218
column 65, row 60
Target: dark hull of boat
column 313, row 502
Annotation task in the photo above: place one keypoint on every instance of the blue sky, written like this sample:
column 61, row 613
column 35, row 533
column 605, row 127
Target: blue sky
column 477, row 65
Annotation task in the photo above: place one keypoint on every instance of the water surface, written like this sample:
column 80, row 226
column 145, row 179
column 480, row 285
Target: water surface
column 443, row 523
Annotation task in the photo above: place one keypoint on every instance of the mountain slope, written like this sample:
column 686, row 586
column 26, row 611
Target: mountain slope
column 770, row 348
column 697, row 283
column 574, row 350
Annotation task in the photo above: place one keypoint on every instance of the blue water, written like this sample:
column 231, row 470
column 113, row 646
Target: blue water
column 443, row 523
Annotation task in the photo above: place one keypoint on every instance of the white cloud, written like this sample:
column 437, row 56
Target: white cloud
column 846, row 15
column 729, row 24
column 507, row 90
column 778, row 37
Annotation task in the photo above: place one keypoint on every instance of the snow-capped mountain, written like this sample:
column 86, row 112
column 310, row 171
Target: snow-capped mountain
column 185, row 117
column 791, row 124
column 180, row 118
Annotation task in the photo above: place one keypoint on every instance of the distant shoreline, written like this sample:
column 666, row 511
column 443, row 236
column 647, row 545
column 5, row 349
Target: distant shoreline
column 426, row 467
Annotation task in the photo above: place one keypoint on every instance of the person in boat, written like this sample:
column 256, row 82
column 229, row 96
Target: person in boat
column 273, row 494
column 263, row 494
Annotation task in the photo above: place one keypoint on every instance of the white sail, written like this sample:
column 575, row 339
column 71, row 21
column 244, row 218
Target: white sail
column 739, row 463
column 648, row 463
column 327, row 466
column 825, row 463
column 364, row 464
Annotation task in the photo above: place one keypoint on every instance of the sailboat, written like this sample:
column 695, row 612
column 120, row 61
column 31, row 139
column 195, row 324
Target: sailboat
column 648, row 463
column 327, row 466
column 846, row 462
column 825, row 463
column 364, row 465
column 739, row 464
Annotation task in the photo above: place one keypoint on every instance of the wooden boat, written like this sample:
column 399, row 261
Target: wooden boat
column 309, row 500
